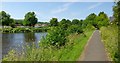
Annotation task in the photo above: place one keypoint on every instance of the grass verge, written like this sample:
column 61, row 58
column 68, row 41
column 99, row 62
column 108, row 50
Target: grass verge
column 110, row 38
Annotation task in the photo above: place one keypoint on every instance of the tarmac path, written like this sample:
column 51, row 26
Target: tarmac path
column 94, row 49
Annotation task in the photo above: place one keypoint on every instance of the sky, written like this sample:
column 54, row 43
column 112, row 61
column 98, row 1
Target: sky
column 59, row 0
column 46, row 10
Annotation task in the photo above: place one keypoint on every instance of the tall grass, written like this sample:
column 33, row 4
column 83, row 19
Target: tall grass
column 70, row 52
column 110, row 38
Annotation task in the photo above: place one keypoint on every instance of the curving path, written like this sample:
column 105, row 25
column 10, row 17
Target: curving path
column 94, row 50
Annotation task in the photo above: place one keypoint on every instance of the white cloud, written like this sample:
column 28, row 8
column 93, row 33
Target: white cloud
column 61, row 8
column 94, row 6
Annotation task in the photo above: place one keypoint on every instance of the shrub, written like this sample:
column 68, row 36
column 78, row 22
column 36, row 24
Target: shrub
column 56, row 36
column 75, row 29
column 109, row 37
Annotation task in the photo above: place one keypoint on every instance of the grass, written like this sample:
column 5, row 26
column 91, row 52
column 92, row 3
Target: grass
column 70, row 52
column 110, row 38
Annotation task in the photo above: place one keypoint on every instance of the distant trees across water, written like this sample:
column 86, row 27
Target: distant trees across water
column 30, row 19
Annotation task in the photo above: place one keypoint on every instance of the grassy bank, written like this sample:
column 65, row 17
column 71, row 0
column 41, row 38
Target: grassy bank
column 110, row 38
column 71, row 51
column 22, row 30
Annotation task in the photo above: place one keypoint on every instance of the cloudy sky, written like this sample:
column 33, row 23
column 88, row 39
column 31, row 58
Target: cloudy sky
column 47, row 10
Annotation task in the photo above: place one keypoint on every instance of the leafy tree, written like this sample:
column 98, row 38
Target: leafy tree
column 30, row 19
column 91, row 20
column 116, row 13
column 68, row 22
column 102, row 19
column 54, row 22
column 5, row 19
column 81, row 22
column 75, row 21
column 64, row 24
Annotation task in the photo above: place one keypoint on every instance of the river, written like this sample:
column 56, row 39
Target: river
column 17, row 41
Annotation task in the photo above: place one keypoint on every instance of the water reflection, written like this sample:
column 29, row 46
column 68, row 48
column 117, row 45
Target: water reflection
column 19, row 40
column 29, row 37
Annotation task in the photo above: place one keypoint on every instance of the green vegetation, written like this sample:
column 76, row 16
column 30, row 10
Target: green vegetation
column 5, row 19
column 18, row 21
column 23, row 30
column 56, row 37
column 30, row 19
column 110, row 35
column 69, row 52
column 110, row 38
column 64, row 42
column 97, row 21
column 66, row 39
column 54, row 22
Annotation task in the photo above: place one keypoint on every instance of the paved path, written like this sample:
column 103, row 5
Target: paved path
column 94, row 50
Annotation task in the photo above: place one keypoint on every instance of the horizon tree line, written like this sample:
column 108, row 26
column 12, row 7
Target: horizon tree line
column 30, row 19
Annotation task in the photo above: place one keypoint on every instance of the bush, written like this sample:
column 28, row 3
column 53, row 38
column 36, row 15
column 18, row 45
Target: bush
column 56, row 36
column 75, row 29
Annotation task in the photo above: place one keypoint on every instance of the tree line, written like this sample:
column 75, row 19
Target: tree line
column 30, row 19
column 95, row 20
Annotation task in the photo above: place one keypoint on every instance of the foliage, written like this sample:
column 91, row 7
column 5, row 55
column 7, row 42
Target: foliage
column 64, row 24
column 69, row 52
column 54, row 22
column 5, row 19
column 110, row 38
column 102, row 19
column 56, row 36
column 91, row 19
column 30, row 19
column 75, row 29
column 116, row 13
column 19, row 21
column 75, row 22
column 23, row 30
column 97, row 21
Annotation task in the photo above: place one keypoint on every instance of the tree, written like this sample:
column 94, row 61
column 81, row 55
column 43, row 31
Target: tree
column 102, row 19
column 54, row 22
column 75, row 21
column 91, row 19
column 81, row 22
column 5, row 19
column 30, row 19
column 64, row 24
column 116, row 13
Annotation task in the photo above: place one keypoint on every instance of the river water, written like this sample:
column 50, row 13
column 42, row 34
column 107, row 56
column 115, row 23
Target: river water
column 17, row 41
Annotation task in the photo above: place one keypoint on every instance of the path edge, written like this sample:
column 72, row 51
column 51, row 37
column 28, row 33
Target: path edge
column 82, row 55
